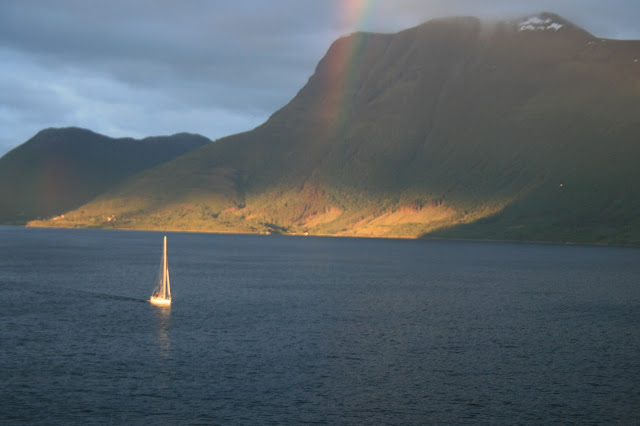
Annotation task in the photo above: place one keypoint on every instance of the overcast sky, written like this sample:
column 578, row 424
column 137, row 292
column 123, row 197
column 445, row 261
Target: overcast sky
column 141, row 67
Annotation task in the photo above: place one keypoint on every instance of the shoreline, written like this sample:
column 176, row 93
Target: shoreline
column 285, row 234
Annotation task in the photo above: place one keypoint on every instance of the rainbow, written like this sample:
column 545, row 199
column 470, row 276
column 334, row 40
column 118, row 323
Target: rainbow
column 356, row 13
column 342, row 64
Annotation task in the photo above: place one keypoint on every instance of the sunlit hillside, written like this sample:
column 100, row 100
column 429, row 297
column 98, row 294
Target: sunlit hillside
column 526, row 129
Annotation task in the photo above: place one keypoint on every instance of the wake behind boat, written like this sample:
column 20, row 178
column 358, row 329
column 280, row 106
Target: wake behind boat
column 162, row 293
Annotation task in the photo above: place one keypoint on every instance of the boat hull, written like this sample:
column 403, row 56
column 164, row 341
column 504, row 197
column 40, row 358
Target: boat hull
column 160, row 301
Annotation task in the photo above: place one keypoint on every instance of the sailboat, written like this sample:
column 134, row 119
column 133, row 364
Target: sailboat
column 162, row 293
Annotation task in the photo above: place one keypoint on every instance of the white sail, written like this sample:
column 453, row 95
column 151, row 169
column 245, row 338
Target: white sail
column 162, row 293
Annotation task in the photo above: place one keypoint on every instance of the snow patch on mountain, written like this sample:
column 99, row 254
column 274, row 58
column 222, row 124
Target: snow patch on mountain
column 535, row 23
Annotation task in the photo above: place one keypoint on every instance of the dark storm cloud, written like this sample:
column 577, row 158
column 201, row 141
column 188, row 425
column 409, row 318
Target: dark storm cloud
column 215, row 67
column 238, row 60
column 150, row 42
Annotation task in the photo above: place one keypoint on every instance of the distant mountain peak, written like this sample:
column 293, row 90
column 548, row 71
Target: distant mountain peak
column 537, row 23
column 53, row 131
column 545, row 22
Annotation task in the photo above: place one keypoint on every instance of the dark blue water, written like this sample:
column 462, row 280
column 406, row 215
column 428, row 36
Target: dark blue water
column 273, row 330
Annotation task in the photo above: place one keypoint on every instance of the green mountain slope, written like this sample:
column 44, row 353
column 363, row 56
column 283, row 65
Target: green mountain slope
column 454, row 128
column 61, row 169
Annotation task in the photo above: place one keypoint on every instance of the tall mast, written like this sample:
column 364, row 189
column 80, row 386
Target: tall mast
column 167, row 284
column 164, row 268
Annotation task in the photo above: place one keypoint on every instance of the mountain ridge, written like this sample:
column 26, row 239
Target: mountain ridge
column 452, row 128
column 59, row 169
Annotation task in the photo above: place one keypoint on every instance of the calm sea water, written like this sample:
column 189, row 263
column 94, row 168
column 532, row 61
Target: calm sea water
column 294, row 330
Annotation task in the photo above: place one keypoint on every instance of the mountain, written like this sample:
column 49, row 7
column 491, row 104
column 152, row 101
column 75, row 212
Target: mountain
column 523, row 129
column 60, row 169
